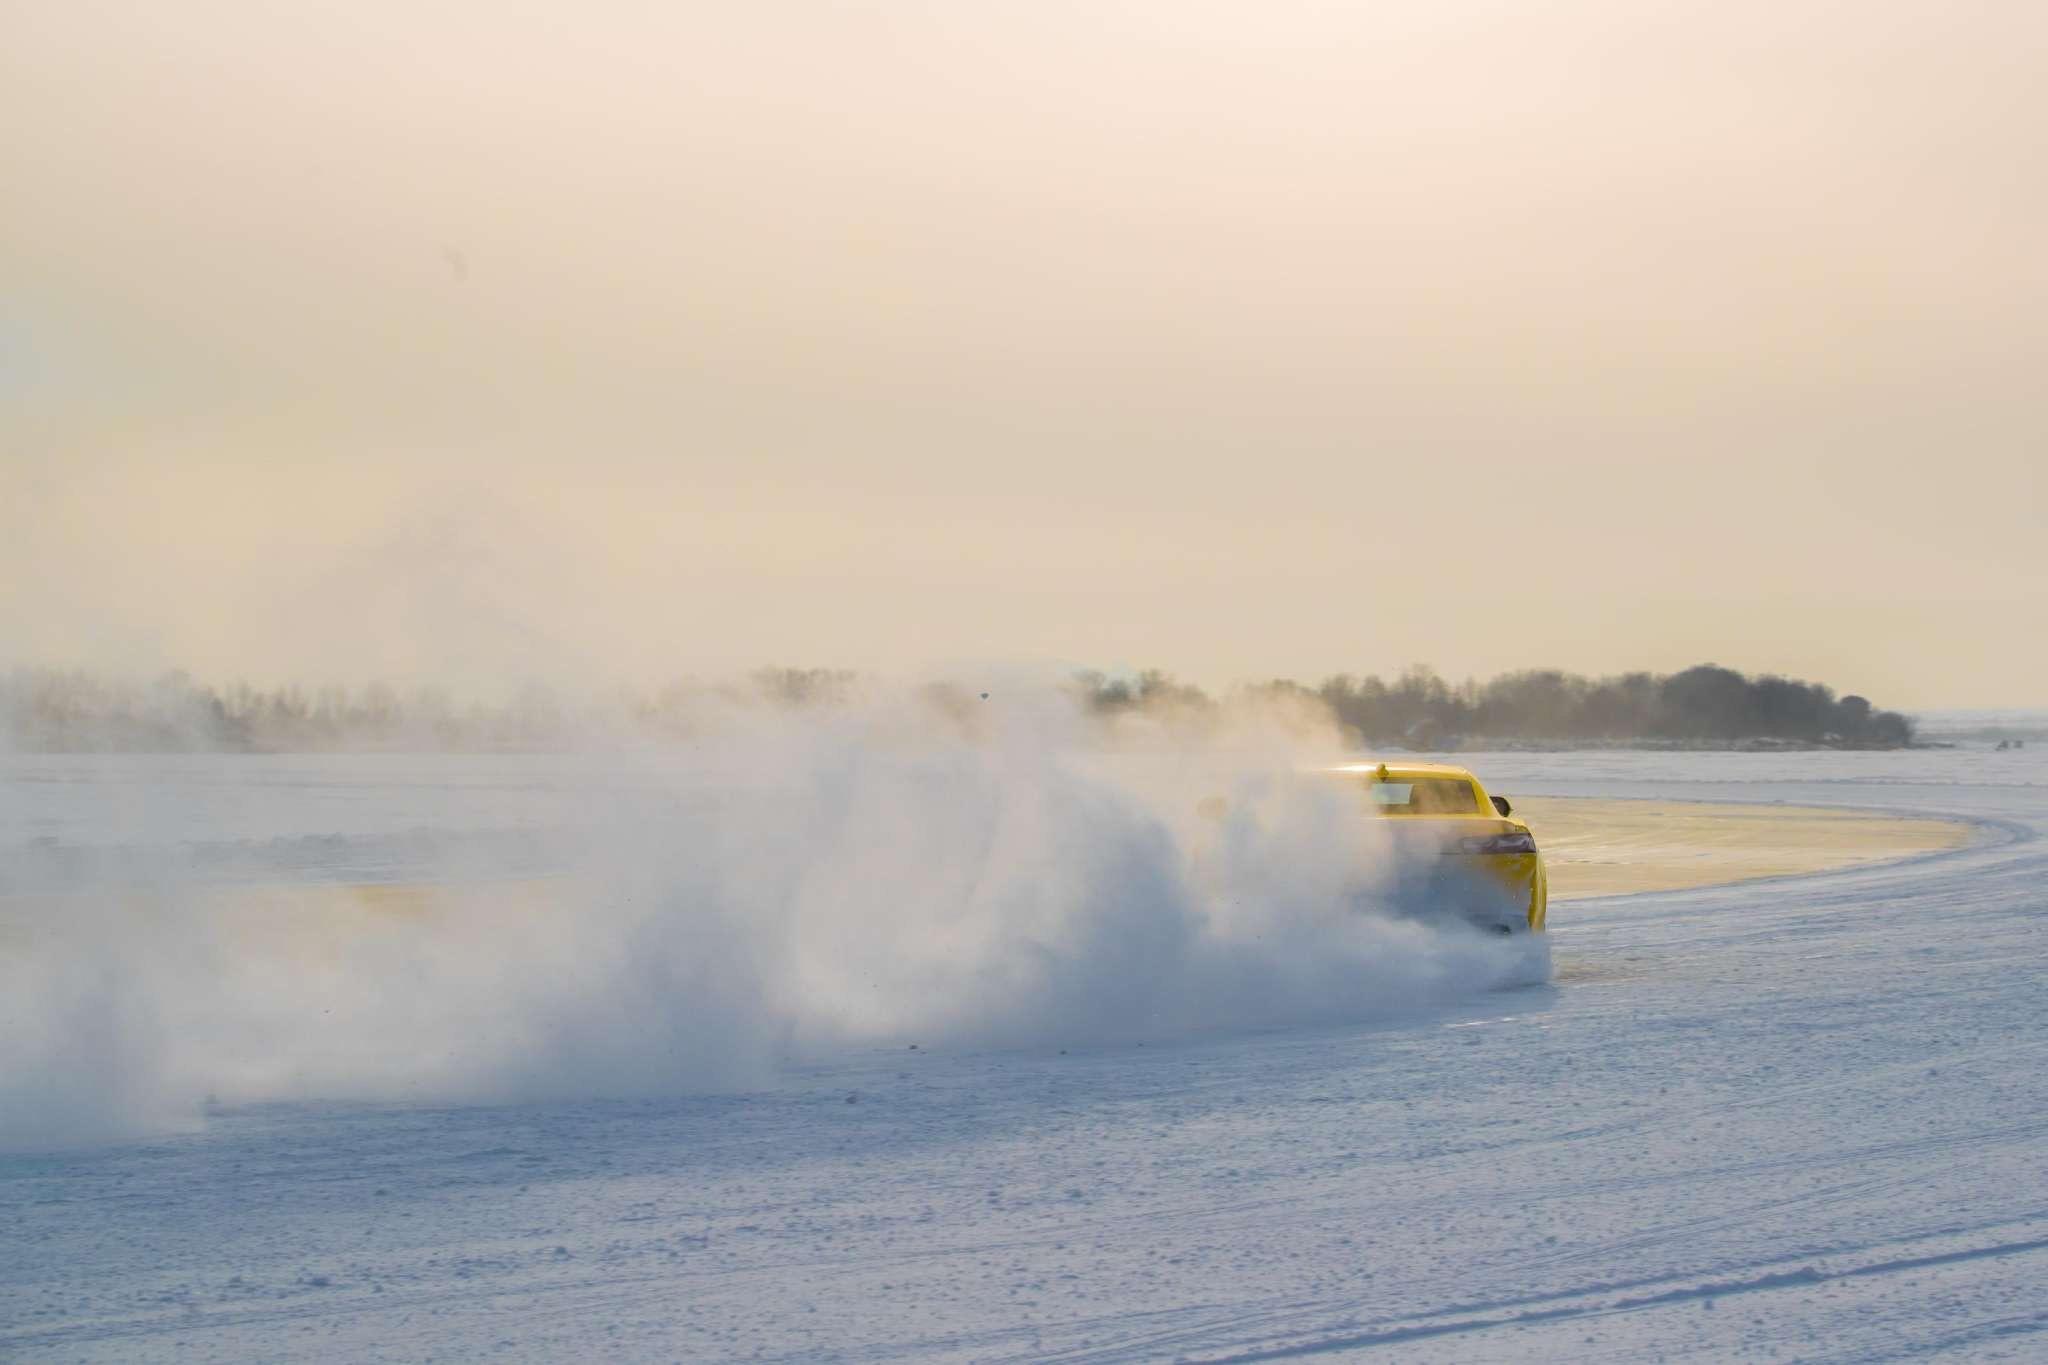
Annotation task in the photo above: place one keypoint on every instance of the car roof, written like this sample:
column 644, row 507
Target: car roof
column 1402, row 770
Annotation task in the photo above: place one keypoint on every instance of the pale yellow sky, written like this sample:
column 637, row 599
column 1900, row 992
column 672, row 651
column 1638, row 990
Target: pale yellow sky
column 470, row 342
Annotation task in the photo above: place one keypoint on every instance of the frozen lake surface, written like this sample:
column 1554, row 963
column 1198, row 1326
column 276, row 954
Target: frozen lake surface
column 1794, row 1119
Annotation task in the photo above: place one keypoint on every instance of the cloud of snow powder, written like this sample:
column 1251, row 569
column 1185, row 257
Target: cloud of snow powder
column 950, row 872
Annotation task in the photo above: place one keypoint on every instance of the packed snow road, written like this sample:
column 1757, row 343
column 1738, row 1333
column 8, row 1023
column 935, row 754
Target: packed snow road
column 1794, row 1119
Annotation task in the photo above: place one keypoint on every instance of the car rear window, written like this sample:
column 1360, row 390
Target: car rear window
column 1424, row 796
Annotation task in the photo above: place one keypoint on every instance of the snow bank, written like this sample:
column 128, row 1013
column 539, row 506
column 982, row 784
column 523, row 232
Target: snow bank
column 801, row 882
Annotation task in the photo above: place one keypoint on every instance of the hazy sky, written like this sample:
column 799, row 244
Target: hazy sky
column 468, row 341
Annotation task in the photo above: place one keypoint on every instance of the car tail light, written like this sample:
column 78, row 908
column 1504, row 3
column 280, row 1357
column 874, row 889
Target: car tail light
column 1516, row 841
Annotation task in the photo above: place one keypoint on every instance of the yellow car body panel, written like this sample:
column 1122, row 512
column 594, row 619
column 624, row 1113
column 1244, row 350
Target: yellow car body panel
column 1520, row 874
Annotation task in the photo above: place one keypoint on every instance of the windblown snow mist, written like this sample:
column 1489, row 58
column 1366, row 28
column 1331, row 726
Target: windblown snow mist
column 643, row 923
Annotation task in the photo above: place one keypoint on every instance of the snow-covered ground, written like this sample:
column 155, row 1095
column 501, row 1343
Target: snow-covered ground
column 1797, row 1119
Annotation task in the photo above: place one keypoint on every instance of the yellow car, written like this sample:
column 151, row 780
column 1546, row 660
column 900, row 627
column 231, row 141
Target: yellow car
column 1479, row 858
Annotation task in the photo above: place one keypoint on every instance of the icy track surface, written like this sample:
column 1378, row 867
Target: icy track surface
column 1804, row 1119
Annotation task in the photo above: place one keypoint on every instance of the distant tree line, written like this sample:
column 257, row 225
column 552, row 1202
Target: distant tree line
column 56, row 710
column 51, row 710
column 1704, row 705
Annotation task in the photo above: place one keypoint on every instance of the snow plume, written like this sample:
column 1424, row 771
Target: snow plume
column 932, row 869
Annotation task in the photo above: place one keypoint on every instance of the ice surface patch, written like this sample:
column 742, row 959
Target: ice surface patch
column 797, row 884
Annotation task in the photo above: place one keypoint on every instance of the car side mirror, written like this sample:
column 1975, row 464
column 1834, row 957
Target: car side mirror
column 1500, row 803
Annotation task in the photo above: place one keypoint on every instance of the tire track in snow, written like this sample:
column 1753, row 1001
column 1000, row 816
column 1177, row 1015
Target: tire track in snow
column 1199, row 1343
